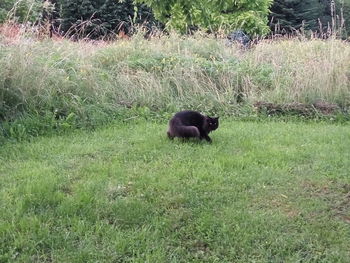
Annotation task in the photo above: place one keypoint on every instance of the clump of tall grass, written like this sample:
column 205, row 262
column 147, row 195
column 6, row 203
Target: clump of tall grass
column 82, row 84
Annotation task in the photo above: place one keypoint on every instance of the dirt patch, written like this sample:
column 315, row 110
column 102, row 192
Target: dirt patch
column 319, row 107
column 342, row 208
column 336, row 196
column 277, row 203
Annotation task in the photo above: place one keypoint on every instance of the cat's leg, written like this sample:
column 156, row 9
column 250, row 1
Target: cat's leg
column 208, row 139
column 204, row 135
column 169, row 135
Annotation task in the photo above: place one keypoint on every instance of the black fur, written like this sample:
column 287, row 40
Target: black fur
column 187, row 124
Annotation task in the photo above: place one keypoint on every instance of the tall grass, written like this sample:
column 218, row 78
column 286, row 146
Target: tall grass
column 68, row 84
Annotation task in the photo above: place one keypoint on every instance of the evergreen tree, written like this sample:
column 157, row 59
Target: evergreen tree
column 343, row 17
column 283, row 16
column 96, row 18
column 291, row 15
column 288, row 16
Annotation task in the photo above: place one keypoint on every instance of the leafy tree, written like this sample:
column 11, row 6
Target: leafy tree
column 183, row 15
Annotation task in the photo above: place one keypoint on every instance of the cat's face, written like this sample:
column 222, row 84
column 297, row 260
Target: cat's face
column 213, row 123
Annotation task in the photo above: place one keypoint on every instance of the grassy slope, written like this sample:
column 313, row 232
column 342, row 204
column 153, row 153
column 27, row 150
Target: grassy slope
column 262, row 192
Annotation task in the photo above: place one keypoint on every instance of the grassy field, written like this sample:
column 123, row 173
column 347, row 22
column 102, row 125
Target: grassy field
column 261, row 192
column 49, row 86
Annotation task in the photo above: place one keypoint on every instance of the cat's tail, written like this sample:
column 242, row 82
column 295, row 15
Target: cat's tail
column 177, row 129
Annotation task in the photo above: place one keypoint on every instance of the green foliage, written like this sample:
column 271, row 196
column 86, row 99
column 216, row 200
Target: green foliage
column 261, row 192
column 81, row 18
column 5, row 7
column 343, row 16
column 21, row 11
column 96, row 19
column 183, row 15
column 292, row 15
column 103, row 17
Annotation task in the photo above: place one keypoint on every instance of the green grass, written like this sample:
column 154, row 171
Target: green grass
column 261, row 192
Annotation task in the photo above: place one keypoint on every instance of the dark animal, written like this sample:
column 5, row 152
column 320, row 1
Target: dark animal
column 187, row 124
column 239, row 37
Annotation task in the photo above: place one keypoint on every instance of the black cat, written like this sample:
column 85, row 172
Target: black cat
column 187, row 124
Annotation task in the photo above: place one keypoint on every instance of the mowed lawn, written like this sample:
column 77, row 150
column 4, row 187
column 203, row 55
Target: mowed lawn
column 261, row 192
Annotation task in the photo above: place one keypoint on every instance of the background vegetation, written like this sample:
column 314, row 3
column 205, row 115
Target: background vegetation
column 321, row 18
column 57, row 85
column 213, row 15
column 21, row 10
column 98, row 19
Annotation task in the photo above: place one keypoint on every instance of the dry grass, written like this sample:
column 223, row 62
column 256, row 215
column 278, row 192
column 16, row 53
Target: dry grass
column 307, row 70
